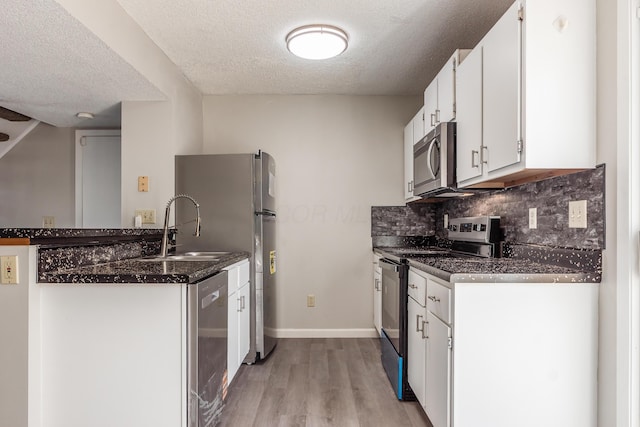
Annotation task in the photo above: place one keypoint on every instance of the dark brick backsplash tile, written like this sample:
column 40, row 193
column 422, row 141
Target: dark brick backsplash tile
column 551, row 198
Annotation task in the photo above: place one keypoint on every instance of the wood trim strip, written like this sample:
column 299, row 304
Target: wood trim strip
column 15, row 241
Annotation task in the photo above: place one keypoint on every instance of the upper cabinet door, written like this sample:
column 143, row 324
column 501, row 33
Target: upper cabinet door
column 408, row 161
column 501, row 94
column 419, row 126
column 446, row 92
column 469, row 116
column 430, row 106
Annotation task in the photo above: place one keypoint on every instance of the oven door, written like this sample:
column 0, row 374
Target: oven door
column 391, row 320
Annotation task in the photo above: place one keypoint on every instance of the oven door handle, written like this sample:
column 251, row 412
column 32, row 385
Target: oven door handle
column 389, row 265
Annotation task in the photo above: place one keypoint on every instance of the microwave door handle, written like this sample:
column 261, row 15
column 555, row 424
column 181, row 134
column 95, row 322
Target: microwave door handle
column 429, row 152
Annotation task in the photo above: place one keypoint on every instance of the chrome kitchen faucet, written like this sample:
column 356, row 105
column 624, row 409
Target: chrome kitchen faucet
column 165, row 231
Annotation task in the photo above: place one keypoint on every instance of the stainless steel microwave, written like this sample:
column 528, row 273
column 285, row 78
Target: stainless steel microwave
column 434, row 162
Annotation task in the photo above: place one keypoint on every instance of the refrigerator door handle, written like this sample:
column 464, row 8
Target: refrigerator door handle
column 265, row 213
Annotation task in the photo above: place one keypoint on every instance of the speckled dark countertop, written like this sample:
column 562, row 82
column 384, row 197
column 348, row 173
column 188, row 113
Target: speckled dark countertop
column 527, row 265
column 76, row 255
column 137, row 270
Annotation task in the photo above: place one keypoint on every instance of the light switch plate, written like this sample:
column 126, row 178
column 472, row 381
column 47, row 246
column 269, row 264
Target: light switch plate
column 578, row 214
column 311, row 300
column 143, row 184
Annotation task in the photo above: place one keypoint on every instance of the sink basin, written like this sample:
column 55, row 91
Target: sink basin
column 182, row 258
column 205, row 253
column 189, row 256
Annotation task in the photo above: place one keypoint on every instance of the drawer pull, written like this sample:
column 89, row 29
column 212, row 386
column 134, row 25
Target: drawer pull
column 412, row 286
column 418, row 322
column 434, row 299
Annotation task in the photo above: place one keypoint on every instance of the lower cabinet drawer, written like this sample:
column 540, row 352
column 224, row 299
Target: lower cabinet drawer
column 439, row 300
column 417, row 287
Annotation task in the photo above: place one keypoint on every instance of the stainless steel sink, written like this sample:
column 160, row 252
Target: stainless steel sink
column 205, row 253
column 189, row 256
column 182, row 258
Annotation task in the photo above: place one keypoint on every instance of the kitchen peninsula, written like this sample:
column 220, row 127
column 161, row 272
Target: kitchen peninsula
column 95, row 333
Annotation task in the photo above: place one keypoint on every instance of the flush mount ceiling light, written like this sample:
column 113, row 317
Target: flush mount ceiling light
column 83, row 115
column 317, row 41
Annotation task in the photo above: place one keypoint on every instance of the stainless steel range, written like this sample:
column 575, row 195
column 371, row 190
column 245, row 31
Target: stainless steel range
column 471, row 236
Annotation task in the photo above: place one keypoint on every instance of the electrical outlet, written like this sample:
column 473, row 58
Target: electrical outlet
column 533, row 217
column 143, row 184
column 578, row 214
column 9, row 270
column 48, row 222
column 311, row 300
column 148, row 215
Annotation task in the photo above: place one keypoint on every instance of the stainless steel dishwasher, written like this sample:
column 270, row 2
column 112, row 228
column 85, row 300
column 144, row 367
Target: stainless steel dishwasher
column 207, row 350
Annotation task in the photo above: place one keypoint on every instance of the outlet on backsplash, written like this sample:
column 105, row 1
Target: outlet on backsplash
column 533, row 218
column 148, row 215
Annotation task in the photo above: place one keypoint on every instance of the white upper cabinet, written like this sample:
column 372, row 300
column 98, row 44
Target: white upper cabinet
column 418, row 126
column 537, row 119
column 413, row 132
column 469, row 116
column 440, row 95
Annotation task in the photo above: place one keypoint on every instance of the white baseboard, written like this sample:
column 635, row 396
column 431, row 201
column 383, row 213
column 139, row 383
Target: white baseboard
column 327, row 333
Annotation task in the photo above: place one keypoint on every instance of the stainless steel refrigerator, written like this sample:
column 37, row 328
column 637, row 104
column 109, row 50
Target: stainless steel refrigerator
column 236, row 193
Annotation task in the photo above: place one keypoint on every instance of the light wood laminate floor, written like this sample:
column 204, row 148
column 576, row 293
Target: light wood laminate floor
column 318, row 383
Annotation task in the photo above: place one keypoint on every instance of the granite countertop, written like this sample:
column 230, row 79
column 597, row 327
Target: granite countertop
column 137, row 270
column 456, row 268
column 77, row 236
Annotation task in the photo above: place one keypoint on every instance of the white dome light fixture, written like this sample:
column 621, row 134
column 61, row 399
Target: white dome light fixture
column 317, row 41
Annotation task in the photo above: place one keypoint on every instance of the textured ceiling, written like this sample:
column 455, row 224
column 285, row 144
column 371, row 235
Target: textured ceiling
column 237, row 47
column 53, row 67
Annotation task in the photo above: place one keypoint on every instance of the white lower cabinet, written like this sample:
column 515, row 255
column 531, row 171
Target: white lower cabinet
column 416, row 349
column 416, row 338
column 437, row 402
column 377, row 294
column 238, row 317
column 504, row 354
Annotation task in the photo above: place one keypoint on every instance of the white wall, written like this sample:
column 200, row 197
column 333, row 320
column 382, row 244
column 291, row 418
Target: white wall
column 37, row 179
column 335, row 157
column 15, row 353
column 617, row 111
column 154, row 133
column 606, row 129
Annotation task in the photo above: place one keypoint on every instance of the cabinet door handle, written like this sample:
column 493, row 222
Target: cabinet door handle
column 437, row 116
column 243, row 302
column 434, row 299
column 376, row 285
column 418, row 322
column 424, row 329
column 412, row 286
column 433, row 118
column 239, row 309
column 409, row 187
column 485, row 155
column 474, row 153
